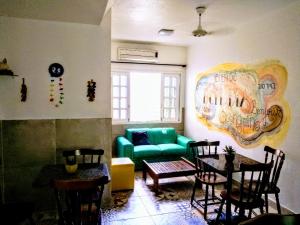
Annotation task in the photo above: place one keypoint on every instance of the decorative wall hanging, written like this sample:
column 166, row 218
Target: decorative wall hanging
column 56, row 70
column 91, row 87
column 245, row 102
column 23, row 91
column 4, row 69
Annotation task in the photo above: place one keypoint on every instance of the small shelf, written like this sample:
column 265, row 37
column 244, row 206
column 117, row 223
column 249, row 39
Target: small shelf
column 9, row 75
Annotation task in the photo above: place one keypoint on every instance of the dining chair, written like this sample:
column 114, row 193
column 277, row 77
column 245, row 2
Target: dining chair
column 205, row 176
column 88, row 156
column 254, row 179
column 84, row 155
column 75, row 202
column 278, row 157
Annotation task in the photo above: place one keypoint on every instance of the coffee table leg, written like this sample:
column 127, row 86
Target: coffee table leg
column 155, row 181
column 144, row 174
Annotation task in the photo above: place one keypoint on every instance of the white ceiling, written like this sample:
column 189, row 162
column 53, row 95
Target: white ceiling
column 140, row 20
column 76, row 11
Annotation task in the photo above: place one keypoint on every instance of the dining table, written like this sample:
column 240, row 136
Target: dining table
column 227, row 167
column 85, row 172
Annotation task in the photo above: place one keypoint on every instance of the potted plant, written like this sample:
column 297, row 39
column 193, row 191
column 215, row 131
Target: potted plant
column 230, row 153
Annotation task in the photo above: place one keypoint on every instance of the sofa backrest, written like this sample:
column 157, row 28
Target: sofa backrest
column 156, row 135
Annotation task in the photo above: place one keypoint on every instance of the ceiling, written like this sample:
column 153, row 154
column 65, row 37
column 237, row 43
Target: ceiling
column 140, row 20
column 76, row 11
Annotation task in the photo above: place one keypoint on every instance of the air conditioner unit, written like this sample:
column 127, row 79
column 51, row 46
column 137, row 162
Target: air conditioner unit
column 137, row 55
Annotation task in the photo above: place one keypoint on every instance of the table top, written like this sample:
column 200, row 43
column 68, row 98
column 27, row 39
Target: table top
column 170, row 167
column 218, row 162
column 84, row 172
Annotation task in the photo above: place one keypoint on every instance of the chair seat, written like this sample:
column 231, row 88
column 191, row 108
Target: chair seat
column 246, row 202
column 211, row 178
column 269, row 189
column 272, row 189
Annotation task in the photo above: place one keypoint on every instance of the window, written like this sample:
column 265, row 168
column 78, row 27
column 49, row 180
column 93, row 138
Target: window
column 120, row 87
column 139, row 96
column 170, row 96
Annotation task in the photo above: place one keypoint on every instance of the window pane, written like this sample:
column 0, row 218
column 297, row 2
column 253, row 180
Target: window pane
column 172, row 113
column 116, row 103
column 123, row 114
column 174, row 82
column 172, row 101
column 123, row 92
column 123, row 80
column 145, row 96
column 116, row 92
column 123, row 103
column 166, row 113
column 116, row 114
column 116, row 80
column 167, row 81
column 166, row 92
column 167, row 102
column 173, row 92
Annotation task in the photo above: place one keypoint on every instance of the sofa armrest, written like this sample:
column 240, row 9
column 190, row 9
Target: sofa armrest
column 124, row 147
column 185, row 142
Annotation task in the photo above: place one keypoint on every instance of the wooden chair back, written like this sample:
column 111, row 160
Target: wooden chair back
column 84, row 155
column 203, row 149
column 75, row 202
column 254, row 179
column 278, row 157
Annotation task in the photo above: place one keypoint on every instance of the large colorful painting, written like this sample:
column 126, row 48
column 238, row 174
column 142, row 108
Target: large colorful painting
column 245, row 101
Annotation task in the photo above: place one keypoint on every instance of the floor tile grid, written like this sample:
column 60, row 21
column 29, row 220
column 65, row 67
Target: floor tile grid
column 162, row 208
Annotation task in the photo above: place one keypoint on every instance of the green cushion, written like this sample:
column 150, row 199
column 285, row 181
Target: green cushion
column 162, row 135
column 172, row 149
column 142, row 151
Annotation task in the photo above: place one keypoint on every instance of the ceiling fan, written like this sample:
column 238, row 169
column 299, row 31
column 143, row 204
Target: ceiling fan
column 200, row 31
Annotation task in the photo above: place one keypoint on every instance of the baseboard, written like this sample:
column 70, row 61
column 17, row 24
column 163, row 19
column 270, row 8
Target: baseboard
column 284, row 210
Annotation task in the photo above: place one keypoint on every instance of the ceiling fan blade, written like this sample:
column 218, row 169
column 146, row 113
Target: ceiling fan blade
column 221, row 31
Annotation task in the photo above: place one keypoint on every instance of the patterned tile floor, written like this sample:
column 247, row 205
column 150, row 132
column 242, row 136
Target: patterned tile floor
column 142, row 206
column 171, row 205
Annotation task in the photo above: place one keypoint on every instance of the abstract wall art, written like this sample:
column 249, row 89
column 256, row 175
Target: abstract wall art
column 245, row 101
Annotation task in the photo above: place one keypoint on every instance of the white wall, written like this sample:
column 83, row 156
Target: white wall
column 274, row 36
column 30, row 46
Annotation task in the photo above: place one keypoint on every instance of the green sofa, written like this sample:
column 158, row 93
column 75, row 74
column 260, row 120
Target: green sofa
column 163, row 144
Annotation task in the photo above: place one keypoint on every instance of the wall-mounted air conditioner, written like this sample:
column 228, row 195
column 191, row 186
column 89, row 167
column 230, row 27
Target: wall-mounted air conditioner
column 137, row 55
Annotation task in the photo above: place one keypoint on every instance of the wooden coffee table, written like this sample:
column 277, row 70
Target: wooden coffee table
column 167, row 169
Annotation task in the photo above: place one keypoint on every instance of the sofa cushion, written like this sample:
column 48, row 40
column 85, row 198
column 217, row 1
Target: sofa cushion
column 140, row 138
column 129, row 131
column 172, row 149
column 142, row 151
column 163, row 135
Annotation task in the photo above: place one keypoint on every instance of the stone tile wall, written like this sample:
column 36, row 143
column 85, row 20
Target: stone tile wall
column 27, row 145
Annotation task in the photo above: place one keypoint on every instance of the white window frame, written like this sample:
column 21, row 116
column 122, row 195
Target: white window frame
column 178, row 71
column 127, row 74
column 176, row 97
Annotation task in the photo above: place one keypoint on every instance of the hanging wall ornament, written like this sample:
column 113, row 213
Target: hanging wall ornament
column 23, row 91
column 91, row 87
column 56, row 96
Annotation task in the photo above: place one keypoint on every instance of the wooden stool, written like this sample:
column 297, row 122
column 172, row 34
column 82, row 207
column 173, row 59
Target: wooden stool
column 122, row 174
